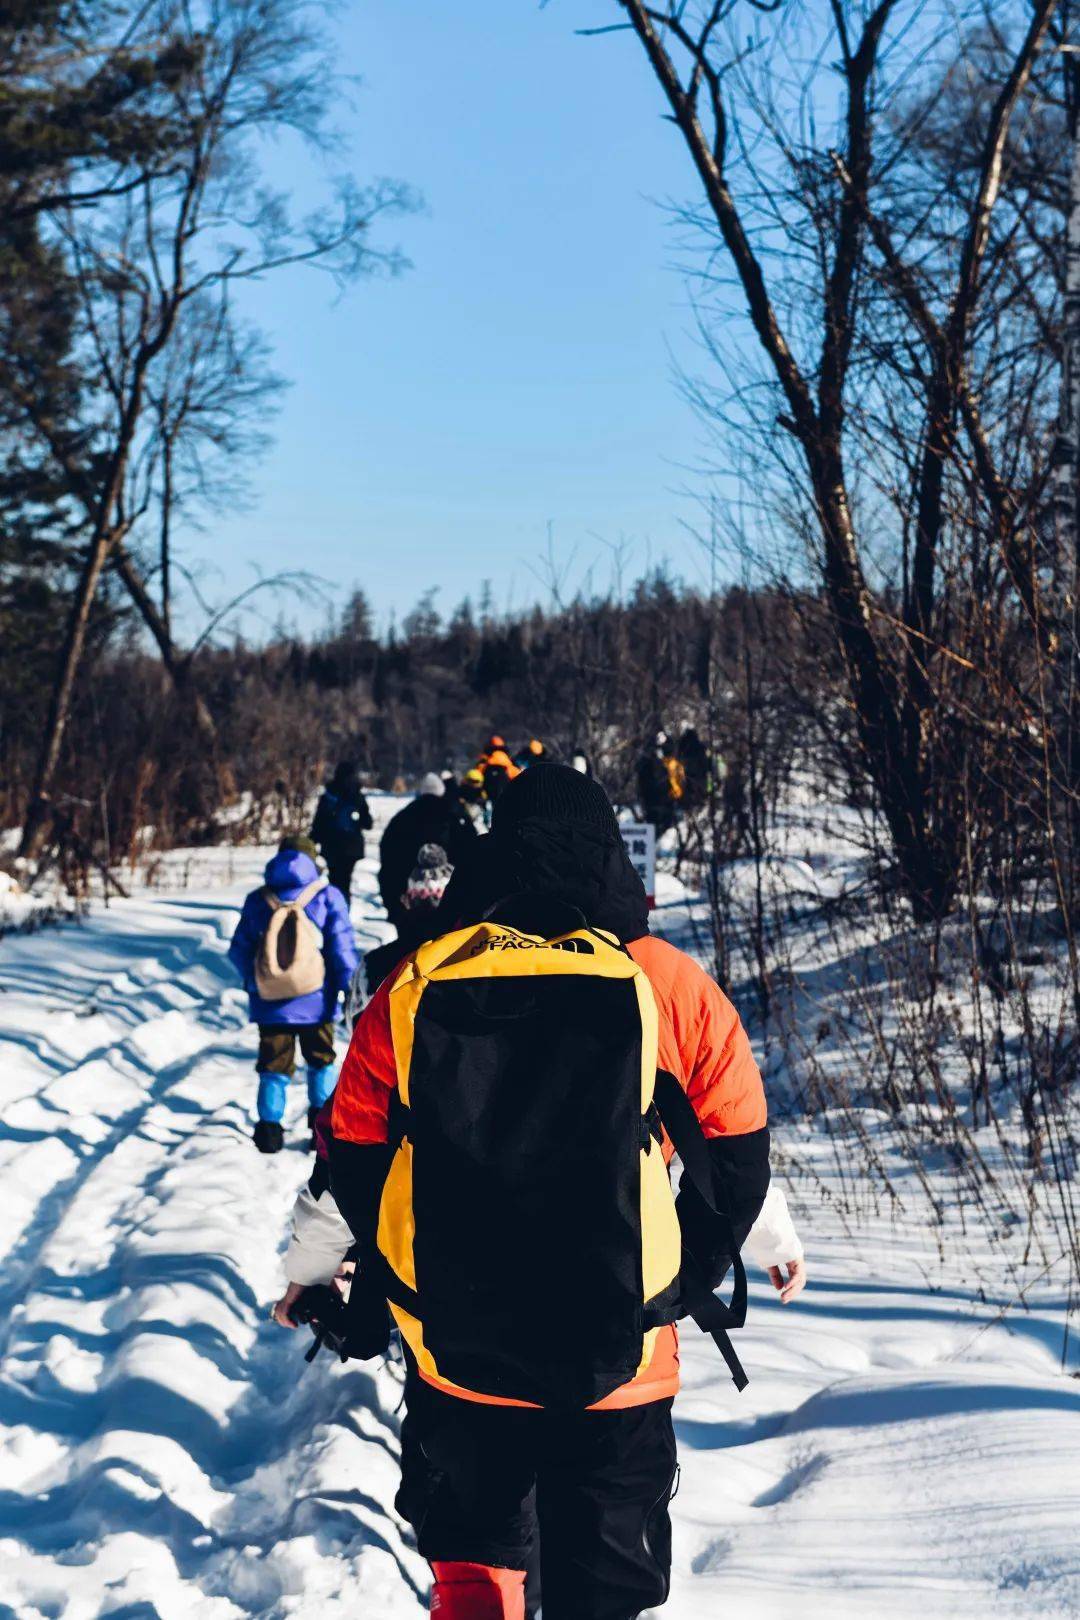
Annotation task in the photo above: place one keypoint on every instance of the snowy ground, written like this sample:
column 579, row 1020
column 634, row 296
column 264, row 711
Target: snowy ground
column 904, row 1449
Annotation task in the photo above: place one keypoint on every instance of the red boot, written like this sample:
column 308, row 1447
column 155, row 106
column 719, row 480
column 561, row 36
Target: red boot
column 477, row 1592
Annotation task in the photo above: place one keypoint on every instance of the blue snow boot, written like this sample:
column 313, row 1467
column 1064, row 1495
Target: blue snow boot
column 269, row 1136
column 320, row 1084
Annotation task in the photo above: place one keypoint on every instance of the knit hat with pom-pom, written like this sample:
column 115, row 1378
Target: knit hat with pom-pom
column 428, row 879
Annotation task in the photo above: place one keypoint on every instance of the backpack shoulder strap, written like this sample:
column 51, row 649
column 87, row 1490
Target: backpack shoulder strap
column 306, row 896
column 687, row 1137
column 711, row 1314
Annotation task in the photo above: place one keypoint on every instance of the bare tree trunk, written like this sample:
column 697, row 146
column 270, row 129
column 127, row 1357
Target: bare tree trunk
column 891, row 766
column 1067, row 500
column 177, row 666
column 104, row 537
column 34, row 826
column 105, row 546
column 166, row 526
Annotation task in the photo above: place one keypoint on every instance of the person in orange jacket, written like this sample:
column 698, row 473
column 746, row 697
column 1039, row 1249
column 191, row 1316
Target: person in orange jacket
column 481, row 1473
column 499, row 772
column 493, row 745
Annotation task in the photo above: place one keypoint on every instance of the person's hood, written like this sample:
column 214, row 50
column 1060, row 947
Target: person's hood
column 289, row 871
column 576, row 865
column 346, row 777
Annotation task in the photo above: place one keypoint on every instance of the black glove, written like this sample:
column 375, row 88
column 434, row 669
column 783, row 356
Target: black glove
column 367, row 1320
column 323, row 1309
column 357, row 1328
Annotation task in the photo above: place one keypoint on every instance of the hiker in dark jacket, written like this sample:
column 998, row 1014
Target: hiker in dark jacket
column 308, row 1017
column 341, row 820
column 433, row 817
column 694, row 758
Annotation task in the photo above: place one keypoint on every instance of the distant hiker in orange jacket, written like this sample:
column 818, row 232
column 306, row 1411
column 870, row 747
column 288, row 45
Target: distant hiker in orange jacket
column 499, row 772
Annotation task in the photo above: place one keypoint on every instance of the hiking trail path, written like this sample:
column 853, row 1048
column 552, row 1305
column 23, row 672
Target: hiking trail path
column 166, row 1454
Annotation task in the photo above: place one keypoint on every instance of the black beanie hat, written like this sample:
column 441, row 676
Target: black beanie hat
column 554, row 793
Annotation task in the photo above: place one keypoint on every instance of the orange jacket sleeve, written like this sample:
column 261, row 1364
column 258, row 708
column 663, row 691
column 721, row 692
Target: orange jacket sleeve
column 702, row 1041
column 724, row 1082
column 368, row 1075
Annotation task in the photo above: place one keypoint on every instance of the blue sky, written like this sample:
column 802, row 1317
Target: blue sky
column 521, row 374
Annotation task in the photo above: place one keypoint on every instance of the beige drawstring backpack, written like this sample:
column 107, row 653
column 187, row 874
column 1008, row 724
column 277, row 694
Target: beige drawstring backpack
column 290, row 959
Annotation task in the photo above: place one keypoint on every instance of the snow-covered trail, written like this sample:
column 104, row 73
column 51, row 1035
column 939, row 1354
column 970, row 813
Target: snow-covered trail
column 164, row 1451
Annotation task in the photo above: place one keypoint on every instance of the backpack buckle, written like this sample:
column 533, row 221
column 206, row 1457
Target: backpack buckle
column 652, row 1129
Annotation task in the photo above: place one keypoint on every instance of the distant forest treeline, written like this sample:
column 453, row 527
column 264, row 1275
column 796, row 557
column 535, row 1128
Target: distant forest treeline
column 748, row 669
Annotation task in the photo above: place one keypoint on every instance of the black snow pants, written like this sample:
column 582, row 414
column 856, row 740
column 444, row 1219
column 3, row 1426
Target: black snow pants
column 339, row 871
column 481, row 1484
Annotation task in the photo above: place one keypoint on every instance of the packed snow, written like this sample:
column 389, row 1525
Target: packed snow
column 908, row 1448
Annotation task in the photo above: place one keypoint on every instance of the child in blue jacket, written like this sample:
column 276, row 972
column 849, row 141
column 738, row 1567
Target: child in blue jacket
column 308, row 1018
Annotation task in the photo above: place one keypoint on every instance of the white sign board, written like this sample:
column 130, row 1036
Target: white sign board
column 640, row 840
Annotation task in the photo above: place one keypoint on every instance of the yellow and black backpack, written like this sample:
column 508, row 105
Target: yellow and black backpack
column 528, row 1236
